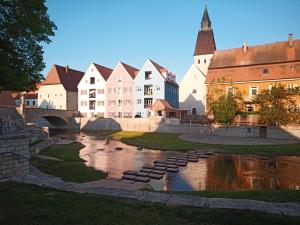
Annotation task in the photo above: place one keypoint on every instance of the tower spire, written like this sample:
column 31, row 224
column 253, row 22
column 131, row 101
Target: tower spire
column 205, row 23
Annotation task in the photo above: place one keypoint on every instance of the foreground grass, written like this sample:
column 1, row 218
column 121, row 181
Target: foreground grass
column 30, row 204
column 261, row 195
column 172, row 142
column 70, row 168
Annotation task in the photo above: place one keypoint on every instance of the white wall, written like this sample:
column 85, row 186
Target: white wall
column 199, row 61
column 194, row 79
column 84, row 84
column 52, row 96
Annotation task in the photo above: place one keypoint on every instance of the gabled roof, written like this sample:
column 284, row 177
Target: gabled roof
column 104, row 71
column 163, row 105
column 130, row 69
column 259, row 54
column 66, row 76
column 161, row 69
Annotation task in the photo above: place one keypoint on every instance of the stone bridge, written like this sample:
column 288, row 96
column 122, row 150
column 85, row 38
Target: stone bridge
column 56, row 118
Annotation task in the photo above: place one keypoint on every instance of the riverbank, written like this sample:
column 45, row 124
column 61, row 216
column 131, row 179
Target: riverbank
column 173, row 142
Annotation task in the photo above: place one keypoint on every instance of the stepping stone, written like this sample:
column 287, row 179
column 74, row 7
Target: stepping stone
column 142, row 179
column 130, row 172
column 182, row 161
column 118, row 148
column 171, row 163
column 142, row 174
column 203, row 156
column 171, row 160
column 180, row 164
column 160, row 167
column 146, row 170
column 172, row 170
column 193, row 160
column 160, row 172
column 160, row 164
column 172, row 166
column 128, row 177
column 158, row 161
column 172, row 157
column 148, row 167
column 155, row 176
column 210, row 152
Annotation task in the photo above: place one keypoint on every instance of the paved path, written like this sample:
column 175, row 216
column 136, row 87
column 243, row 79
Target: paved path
column 235, row 140
column 38, row 178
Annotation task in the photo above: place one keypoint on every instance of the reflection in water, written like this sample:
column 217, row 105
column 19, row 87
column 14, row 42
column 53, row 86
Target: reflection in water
column 218, row 172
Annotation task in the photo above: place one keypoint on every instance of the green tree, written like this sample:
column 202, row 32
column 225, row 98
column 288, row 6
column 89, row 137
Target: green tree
column 278, row 106
column 24, row 25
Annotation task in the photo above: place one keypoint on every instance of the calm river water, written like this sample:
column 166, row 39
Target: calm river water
column 218, row 172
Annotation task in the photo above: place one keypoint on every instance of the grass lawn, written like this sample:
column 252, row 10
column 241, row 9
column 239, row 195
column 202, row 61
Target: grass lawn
column 262, row 195
column 30, row 204
column 165, row 141
column 70, row 168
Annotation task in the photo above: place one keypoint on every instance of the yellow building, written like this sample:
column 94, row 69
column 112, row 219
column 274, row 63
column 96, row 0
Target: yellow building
column 250, row 69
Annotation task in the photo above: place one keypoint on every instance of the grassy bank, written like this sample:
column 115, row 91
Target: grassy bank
column 30, row 204
column 164, row 141
column 69, row 167
column 261, row 195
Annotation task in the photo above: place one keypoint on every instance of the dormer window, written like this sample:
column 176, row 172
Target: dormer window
column 265, row 71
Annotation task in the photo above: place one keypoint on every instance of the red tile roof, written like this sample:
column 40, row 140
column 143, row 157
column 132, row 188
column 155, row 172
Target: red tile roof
column 162, row 105
column 234, row 65
column 131, row 70
column 68, row 77
column 104, row 71
column 205, row 43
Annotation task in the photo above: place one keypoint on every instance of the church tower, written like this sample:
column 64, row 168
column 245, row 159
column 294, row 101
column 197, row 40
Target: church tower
column 205, row 45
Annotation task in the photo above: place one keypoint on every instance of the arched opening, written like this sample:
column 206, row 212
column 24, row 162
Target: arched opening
column 194, row 111
column 52, row 121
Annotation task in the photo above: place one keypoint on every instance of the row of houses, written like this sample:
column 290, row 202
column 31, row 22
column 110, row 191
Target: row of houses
column 123, row 92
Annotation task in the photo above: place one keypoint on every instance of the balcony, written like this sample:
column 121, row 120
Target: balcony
column 148, row 93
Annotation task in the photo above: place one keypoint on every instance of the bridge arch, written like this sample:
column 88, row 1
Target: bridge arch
column 54, row 120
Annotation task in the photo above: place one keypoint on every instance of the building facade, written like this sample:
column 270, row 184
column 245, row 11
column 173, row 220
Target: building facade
column 120, row 91
column 192, row 94
column 59, row 89
column 250, row 69
column 154, row 82
column 92, row 91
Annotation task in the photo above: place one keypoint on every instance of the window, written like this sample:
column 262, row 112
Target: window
column 27, row 103
column 111, row 114
column 92, row 93
column 194, row 111
column 127, row 102
column 120, row 102
column 127, row 89
column 120, row 114
column 139, row 101
column 148, row 90
column 194, row 91
column 148, row 102
column 83, row 92
column 100, row 91
column 204, row 60
column 111, row 102
column 60, row 95
column 92, row 80
column 100, row 103
column 157, row 87
column 100, row 114
column 83, row 103
column 33, row 102
column 92, row 104
column 265, row 71
column 138, row 88
column 198, row 61
column 148, row 75
column 253, row 91
column 60, row 106
column 119, row 90
column 127, row 114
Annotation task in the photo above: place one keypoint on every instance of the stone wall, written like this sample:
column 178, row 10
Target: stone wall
column 14, row 155
column 160, row 125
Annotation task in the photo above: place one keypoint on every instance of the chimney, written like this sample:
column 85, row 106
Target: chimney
column 291, row 42
column 245, row 47
column 67, row 69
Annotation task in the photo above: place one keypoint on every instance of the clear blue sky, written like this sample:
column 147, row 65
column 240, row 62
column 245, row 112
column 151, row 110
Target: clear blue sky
column 108, row 31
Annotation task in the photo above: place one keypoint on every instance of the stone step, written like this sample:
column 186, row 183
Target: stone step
column 172, row 170
column 160, row 172
column 182, row 161
column 146, row 170
column 172, row 157
column 172, row 166
column 170, row 163
column 160, row 164
column 148, row 167
column 160, row 168
column 142, row 179
column 155, row 176
column 128, row 177
column 142, row 174
column 158, row 161
column 203, row 156
column 181, row 164
column 130, row 172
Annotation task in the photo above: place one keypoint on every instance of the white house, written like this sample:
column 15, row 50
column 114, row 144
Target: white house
column 59, row 89
column 92, row 91
column 192, row 92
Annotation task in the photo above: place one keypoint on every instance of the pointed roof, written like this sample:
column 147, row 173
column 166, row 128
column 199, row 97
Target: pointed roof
column 161, row 69
column 130, row 69
column 104, row 71
column 66, row 76
column 205, row 16
column 205, row 43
